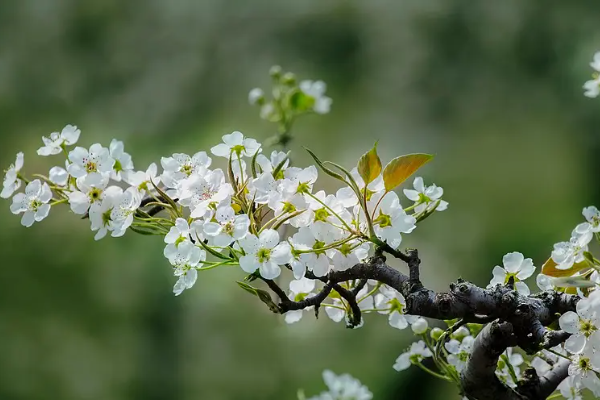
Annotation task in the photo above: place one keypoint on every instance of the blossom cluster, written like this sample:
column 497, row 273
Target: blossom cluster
column 238, row 205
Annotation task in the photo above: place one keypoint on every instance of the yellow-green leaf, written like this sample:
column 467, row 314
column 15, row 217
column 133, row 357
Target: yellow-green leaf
column 573, row 281
column 401, row 168
column 549, row 268
column 369, row 165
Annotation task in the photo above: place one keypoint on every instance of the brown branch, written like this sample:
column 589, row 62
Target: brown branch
column 518, row 320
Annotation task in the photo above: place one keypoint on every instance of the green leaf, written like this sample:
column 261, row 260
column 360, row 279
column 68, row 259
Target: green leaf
column 573, row 281
column 325, row 169
column 401, row 168
column 263, row 295
column 369, row 165
column 279, row 166
column 166, row 198
column 253, row 164
column 213, row 251
column 299, row 101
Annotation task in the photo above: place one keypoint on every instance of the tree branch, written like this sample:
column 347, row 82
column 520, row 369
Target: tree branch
column 518, row 320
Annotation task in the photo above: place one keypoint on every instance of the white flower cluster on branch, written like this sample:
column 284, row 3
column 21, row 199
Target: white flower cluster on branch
column 239, row 206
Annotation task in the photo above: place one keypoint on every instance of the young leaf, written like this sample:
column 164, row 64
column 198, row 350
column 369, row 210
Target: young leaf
column 549, row 268
column 401, row 168
column 369, row 165
column 264, row 296
column 325, row 169
column 573, row 281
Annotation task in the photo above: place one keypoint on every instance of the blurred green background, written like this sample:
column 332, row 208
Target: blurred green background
column 493, row 88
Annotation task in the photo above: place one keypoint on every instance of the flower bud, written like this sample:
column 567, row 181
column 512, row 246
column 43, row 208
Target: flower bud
column 256, row 96
column 436, row 333
column 420, row 326
column 461, row 333
column 275, row 71
column 289, row 79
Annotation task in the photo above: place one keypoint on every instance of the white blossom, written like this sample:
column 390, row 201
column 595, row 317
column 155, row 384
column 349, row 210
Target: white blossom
column 389, row 219
column 565, row 254
column 184, row 258
column 569, row 389
column 299, row 180
column 57, row 140
column 592, row 216
column 316, row 91
column 584, row 369
column 92, row 165
column 419, row 326
column 59, row 176
column 459, row 352
column 227, row 227
column 200, row 193
column 516, row 266
column 101, row 216
column 582, row 325
column 417, row 352
column 179, row 233
column 122, row 213
column 592, row 87
column 264, row 253
column 141, row 180
column 347, row 196
column 89, row 195
column 310, row 241
column 391, row 302
column 300, row 289
column 255, row 95
column 503, row 371
column 268, row 165
column 12, row 182
column 33, row 203
column 235, row 145
column 123, row 163
column 343, row 387
column 426, row 197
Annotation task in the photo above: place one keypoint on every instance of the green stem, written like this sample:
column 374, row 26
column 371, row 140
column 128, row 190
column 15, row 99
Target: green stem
column 372, row 292
column 556, row 353
column 329, row 246
column 330, row 210
column 440, row 376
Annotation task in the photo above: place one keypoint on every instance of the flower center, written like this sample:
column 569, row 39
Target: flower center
column 396, row 306
column 35, row 204
column 383, row 220
column 187, row 169
column 584, row 364
column 586, row 327
column 263, row 255
column 511, row 275
column 321, row 215
column 318, row 246
column 288, row 207
column 346, row 249
column 303, row 188
column 228, row 228
column 91, row 166
column 237, row 149
column 95, row 195
column 300, row 296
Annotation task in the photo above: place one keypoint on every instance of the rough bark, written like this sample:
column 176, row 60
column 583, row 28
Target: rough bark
column 514, row 320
